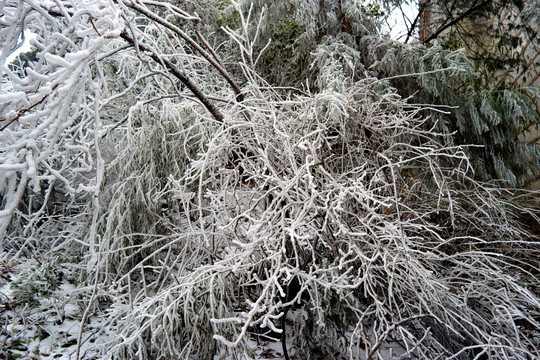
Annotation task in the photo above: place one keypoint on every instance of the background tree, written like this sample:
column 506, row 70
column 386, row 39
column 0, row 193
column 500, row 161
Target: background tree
column 498, row 105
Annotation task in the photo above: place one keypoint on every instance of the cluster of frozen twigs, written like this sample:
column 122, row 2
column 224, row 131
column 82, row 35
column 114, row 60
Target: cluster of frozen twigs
column 340, row 205
column 50, row 114
column 213, row 221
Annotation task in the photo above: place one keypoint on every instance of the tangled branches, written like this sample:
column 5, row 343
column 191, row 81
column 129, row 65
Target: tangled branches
column 341, row 206
column 213, row 221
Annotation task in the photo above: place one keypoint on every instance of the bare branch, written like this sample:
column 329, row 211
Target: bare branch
column 455, row 21
column 210, row 58
column 178, row 74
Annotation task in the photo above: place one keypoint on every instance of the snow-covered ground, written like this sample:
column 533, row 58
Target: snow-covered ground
column 48, row 324
column 48, row 328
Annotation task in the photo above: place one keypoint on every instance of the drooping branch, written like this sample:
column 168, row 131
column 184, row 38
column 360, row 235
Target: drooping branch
column 177, row 73
column 171, row 67
column 209, row 57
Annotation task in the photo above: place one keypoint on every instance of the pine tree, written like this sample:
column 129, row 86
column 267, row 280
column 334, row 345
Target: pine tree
column 498, row 107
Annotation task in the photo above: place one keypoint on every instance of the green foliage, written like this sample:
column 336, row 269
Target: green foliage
column 23, row 61
column 283, row 35
column 302, row 35
column 148, row 155
column 38, row 281
column 492, row 119
column 288, row 32
column 374, row 9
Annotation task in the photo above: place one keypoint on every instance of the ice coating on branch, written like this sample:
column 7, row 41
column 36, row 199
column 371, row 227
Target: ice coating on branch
column 58, row 60
column 105, row 15
column 338, row 201
column 12, row 96
column 44, row 103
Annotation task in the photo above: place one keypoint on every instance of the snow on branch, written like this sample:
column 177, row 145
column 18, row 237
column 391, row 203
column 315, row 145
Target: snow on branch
column 206, row 211
column 50, row 110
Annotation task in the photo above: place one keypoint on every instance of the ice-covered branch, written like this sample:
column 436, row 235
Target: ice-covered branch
column 200, row 219
column 46, row 104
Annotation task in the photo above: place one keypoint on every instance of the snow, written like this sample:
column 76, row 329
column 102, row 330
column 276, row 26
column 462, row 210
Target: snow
column 12, row 96
column 26, row 46
column 249, row 225
column 50, row 330
column 57, row 60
